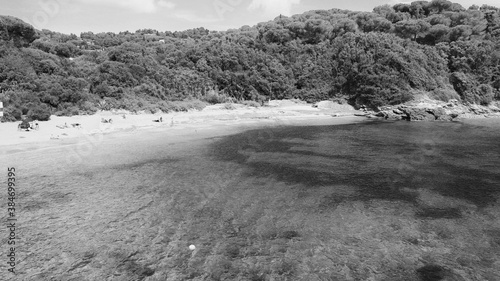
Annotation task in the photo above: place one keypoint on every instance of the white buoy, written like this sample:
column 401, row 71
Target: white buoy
column 192, row 247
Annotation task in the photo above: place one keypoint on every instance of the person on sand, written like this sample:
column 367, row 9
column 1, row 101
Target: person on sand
column 34, row 125
column 62, row 126
column 24, row 125
column 161, row 119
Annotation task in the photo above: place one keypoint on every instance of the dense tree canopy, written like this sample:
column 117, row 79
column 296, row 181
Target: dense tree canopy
column 384, row 57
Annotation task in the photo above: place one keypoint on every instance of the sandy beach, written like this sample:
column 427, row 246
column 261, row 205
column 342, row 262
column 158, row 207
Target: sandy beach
column 70, row 129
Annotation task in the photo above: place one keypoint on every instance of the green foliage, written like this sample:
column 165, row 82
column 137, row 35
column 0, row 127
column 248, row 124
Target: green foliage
column 411, row 28
column 444, row 94
column 21, row 33
column 12, row 114
column 213, row 97
column 378, row 69
column 181, row 106
column 39, row 112
column 485, row 93
column 374, row 58
column 470, row 90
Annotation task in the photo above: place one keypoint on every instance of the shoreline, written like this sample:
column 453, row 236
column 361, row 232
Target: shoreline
column 58, row 131
column 210, row 122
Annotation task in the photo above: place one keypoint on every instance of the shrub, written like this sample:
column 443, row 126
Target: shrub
column 67, row 109
column 11, row 114
column 196, row 104
column 463, row 84
column 444, row 94
column 181, row 106
column 470, row 90
column 213, row 97
column 151, row 108
column 340, row 99
column 485, row 93
column 39, row 111
column 88, row 108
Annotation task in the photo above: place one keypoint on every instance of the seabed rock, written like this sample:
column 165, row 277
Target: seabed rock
column 433, row 272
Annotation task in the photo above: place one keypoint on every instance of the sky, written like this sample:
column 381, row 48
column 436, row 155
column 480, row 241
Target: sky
column 76, row 16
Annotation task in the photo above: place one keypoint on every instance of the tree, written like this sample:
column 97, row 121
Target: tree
column 411, row 28
column 470, row 90
column 343, row 26
column 21, row 33
column 316, row 30
column 460, row 32
column 378, row 69
column 39, row 112
column 419, row 9
column 402, row 8
column 369, row 22
column 383, row 10
column 439, row 19
column 437, row 33
column 438, row 6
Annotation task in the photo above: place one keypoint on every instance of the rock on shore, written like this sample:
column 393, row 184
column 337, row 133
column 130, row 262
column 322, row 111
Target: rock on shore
column 436, row 110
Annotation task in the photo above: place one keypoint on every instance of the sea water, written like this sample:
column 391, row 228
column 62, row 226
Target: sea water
column 366, row 201
column 381, row 159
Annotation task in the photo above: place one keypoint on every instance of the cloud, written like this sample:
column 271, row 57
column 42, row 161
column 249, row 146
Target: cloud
column 140, row 6
column 274, row 7
column 166, row 4
column 192, row 17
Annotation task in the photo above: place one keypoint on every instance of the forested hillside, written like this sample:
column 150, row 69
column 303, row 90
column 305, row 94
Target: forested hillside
column 374, row 58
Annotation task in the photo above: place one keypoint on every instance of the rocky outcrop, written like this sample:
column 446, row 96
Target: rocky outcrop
column 436, row 111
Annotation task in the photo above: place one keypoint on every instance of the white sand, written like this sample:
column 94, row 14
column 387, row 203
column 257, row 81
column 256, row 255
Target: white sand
column 280, row 113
